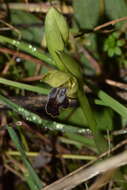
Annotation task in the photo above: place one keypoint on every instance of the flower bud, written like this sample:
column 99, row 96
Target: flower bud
column 56, row 31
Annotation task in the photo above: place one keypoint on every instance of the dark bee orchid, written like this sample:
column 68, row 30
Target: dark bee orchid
column 60, row 79
column 57, row 99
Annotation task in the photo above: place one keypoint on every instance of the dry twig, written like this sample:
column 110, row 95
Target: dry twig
column 83, row 174
column 37, row 7
column 112, row 22
column 22, row 55
column 102, row 180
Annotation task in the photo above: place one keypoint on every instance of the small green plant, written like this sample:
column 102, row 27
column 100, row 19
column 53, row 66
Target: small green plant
column 113, row 44
column 56, row 31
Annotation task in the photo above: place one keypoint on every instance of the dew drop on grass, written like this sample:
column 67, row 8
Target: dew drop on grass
column 85, row 131
column 30, row 46
column 34, row 49
column 58, row 126
column 29, row 116
column 14, row 42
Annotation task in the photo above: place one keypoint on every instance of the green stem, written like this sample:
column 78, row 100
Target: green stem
column 99, row 139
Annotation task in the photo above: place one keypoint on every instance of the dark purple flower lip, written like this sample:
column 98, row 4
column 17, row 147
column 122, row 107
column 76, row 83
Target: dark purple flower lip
column 57, row 99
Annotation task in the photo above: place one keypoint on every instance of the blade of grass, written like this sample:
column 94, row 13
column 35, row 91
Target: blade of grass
column 88, row 142
column 32, row 178
column 46, row 124
column 112, row 103
column 27, row 48
column 39, row 90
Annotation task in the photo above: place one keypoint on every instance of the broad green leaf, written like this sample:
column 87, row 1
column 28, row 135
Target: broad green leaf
column 116, row 9
column 75, row 117
column 29, row 25
column 104, row 119
column 56, row 30
column 86, row 13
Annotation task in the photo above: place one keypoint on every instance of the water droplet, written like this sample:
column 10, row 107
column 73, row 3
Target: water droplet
column 20, row 109
column 30, row 46
column 28, row 118
column 59, row 126
column 34, row 118
column 34, row 49
column 86, row 131
column 18, row 59
column 14, row 42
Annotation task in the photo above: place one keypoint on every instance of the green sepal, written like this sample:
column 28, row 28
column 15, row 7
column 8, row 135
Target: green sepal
column 56, row 78
column 70, row 64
